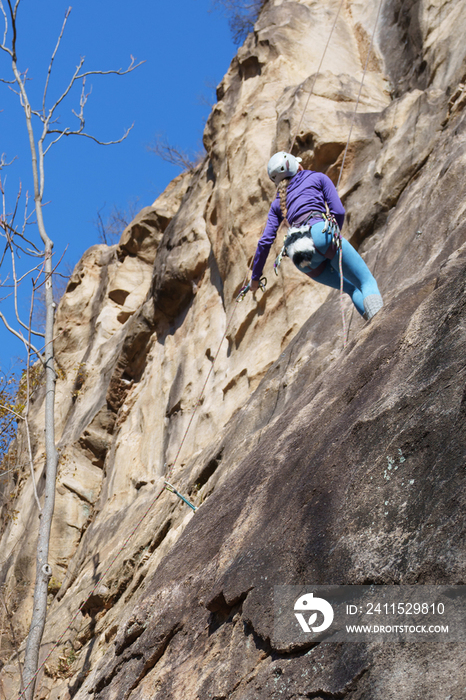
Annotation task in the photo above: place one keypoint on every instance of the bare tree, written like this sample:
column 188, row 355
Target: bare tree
column 208, row 97
column 242, row 15
column 115, row 223
column 50, row 134
column 172, row 154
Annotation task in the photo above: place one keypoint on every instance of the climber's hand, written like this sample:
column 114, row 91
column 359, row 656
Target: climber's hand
column 254, row 285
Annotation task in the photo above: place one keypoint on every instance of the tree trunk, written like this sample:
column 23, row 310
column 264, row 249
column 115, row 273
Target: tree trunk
column 43, row 568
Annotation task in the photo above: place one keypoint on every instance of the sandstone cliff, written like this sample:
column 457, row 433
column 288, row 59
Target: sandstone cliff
column 288, row 452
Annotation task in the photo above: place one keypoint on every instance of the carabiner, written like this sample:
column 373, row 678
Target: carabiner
column 244, row 290
column 263, row 283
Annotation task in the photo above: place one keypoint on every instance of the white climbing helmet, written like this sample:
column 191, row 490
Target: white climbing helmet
column 282, row 165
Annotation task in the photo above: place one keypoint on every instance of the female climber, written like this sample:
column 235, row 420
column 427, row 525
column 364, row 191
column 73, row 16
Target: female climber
column 301, row 200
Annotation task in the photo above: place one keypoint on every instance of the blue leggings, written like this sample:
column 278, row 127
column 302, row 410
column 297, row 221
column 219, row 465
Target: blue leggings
column 358, row 281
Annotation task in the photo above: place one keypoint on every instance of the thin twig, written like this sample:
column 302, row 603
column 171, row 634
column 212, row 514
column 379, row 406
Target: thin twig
column 3, row 44
column 66, row 91
column 78, row 76
column 13, row 25
column 15, row 469
column 16, row 284
column 20, row 337
column 10, row 410
column 170, row 153
column 65, row 132
column 132, row 66
column 53, row 58
column 18, row 198
column 6, row 26
column 3, row 163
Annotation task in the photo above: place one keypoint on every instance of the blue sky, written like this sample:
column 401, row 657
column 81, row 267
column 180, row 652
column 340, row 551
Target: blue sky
column 187, row 48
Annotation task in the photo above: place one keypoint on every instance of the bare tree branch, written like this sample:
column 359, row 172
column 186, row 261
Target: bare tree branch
column 9, row 235
column 100, row 226
column 242, row 15
column 10, row 410
column 13, row 25
column 88, row 136
column 6, row 26
column 20, row 279
column 79, row 132
column 120, row 71
column 171, row 154
column 37, row 268
column 118, row 219
column 20, row 337
column 5, row 33
column 28, row 251
column 67, row 90
column 77, row 76
column 53, row 58
column 82, row 102
column 8, row 471
column 3, row 163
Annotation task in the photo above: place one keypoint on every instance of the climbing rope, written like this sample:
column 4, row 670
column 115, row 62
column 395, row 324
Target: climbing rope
column 340, row 253
column 339, row 243
column 360, row 90
column 315, row 76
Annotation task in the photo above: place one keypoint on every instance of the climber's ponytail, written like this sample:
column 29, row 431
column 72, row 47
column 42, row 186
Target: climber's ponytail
column 282, row 190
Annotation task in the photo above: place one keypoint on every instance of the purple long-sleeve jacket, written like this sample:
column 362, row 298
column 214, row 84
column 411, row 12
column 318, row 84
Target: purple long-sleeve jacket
column 307, row 191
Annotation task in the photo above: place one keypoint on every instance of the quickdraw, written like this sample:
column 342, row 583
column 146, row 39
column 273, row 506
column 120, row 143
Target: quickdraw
column 330, row 223
column 244, row 290
column 171, row 488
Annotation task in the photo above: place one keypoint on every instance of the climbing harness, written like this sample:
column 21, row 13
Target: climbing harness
column 295, row 233
column 245, row 289
column 171, row 488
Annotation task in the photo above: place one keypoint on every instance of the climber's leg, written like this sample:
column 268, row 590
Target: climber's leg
column 355, row 271
column 331, row 278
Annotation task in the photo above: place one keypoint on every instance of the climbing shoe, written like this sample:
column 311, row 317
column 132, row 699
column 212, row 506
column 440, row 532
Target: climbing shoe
column 372, row 304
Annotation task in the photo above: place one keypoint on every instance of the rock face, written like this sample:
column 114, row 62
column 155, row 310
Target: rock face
column 311, row 464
